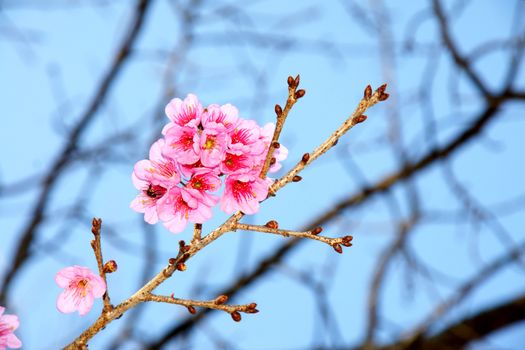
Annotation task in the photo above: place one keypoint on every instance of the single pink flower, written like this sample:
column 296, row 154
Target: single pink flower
column 153, row 177
column 81, row 288
column 213, row 144
column 220, row 117
column 246, row 138
column 8, row 324
column 237, row 162
column 183, row 113
column 243, row 192
column 181, row 205
column 182, row 144
column 202, row 181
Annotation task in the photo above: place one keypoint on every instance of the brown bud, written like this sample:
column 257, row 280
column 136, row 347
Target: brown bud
column 290, row 81
column 110, row 266
column 252, row 311
column 296, row 178
column 335, row 142
column 360, row 119
column 278, row 110
column 368, row 92
column 252, row 306
column 185, row 257
column 181, row 266
column 236, row 316
column 272, row 161
column 276, row 144
column 337, row 248
column 182, row 243
column 274, row 225
column 192, row 310
column 172, row 261
column 297, row 80
column 383, row 97
column 306, row 158
column 221, row 299
column 317, row 230
column 299, row 94
column 381, row 89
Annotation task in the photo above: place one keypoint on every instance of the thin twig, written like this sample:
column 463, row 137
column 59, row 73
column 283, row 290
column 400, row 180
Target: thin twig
column 282, row 114
column 216, row 304
column 97, row 249
column 313, row 234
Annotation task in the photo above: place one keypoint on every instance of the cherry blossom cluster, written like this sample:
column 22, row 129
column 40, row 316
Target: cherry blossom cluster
column 8, row 324
column 184, row 169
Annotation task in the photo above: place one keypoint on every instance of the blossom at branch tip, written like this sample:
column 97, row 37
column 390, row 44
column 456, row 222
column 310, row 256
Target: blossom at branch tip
column 200, row 146
column 213, row 144
column 244, row 192
column 183, row 144
column 183, row 113
column 153, row 177
column 181, row 205
column 82, row 286
column 222, row 118
column 246, row 138
column 8, row 324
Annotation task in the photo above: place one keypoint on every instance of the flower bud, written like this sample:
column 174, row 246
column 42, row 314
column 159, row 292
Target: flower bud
column 274, row 225
column 290, row 81
column 236, row 316
column 337, row 248
column 299, row 94
column 383, row 97
column 297, row 80
column 221, row 299
column 360, row 119
column 181, row 266
column 381, row 89
column 278, row 110
column 110, row 266
column 192, row 310
column 276, row 145
column 317, row 230
column 306, row 158
column 368, row 92
column 296, row 178
column 172, row 261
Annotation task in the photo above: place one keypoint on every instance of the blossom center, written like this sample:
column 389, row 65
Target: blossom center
column 210, row 143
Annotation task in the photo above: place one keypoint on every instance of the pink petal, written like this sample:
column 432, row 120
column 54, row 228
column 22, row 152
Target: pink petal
column 65, row 276
column 98, row 287
column 13, row 342
column 66, row 302
column 85, row 304
column 11, row 320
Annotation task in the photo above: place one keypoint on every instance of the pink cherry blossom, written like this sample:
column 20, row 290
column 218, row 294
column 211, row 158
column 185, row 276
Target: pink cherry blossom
column 236, row 162
column 243, row 192
column 82, row 286
column 183, row 113
column 181, row 205
column 182, row 144
column 246, row 138
column 153, row 177
column 213, row 144
column 202, row 181
column 8, row 324
column 220, row 117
